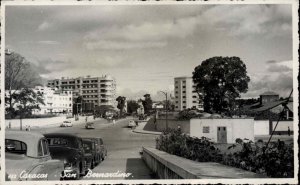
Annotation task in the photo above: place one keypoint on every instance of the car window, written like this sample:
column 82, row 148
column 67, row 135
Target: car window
column 40, row 149
column 45, row 147
column 15, row 146
column 58, row 141
column 87, row 146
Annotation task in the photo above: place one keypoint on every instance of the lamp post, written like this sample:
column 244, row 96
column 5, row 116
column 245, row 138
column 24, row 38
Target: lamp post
column 166, row 94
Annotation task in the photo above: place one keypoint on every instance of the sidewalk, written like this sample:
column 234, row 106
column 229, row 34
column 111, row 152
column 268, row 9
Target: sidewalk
column 140, row 129
column 46, row 122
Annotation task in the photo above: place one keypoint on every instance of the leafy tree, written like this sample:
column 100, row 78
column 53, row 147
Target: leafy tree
column 27, row 100
column 121, row 104
column 18, row 74
column 102, row 109
column 132, row 106
column 219, row 81
column 77, row 104
column 147, row 103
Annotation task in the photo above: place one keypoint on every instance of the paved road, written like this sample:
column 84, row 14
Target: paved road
column 122, row 144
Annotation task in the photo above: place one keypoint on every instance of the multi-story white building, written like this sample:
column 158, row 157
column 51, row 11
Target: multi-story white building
column 96, row 90
column 185, row 94
column 55, row 101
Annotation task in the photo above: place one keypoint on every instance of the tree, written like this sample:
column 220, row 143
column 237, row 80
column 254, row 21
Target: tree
column 147, row 103
column 27, row 100
column 132, row 106
column 219, row 80
column 121, row 104
column 18, row 74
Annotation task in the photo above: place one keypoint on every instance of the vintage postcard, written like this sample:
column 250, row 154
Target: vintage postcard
column 106, row 92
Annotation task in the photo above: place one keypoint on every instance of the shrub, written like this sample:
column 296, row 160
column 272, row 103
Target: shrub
column 275, row 161
column 177, row 143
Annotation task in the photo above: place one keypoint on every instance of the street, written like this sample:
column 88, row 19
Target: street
column 123, row 147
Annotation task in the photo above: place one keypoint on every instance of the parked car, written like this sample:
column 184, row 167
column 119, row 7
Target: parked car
column 27, row 157
column 91, row 153
column 131, row 124
column 89, row 125
column 66, row 123
column 68, row 148
column 103, row 149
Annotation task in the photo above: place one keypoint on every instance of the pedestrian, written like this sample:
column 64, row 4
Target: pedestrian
column 289, row 131
column 86, row 119
column 114, row 121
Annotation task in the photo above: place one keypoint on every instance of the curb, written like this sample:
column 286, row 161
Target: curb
column 147, row 132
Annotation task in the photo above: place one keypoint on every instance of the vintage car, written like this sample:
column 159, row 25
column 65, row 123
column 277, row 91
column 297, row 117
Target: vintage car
column 66, row 123
column 131, row 124
column 90, row 151
column 101, row 149
column 68, row 148
column 89, row 125
column 27, row 157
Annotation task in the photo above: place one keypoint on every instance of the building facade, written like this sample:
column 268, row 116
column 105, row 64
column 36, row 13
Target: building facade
column 95, row 90
column 268, row 97
column 185, row 94
column 55, row 101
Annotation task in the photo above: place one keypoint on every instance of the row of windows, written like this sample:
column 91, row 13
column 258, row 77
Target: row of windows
column 182, row 81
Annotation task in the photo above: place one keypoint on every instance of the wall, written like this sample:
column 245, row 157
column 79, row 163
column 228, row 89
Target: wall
column 167, row 166
column 236, row 128
column 173, row 124
column 261, row 127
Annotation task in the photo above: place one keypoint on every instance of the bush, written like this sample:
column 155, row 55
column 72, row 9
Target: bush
column 176, row 143
column 275, row 161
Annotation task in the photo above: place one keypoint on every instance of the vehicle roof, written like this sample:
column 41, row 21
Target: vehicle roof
column 31, row 139
column 60, row 134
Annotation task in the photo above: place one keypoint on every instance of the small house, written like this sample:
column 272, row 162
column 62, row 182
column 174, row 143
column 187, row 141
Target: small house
column 222, row 130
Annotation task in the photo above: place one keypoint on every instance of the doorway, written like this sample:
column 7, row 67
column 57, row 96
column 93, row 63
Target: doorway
column 222, row 135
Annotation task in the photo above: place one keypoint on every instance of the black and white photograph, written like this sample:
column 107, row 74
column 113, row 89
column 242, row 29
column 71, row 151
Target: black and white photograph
column 149, row 92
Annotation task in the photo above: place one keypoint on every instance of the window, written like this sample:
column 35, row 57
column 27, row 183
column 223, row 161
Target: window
column 176, row 101
column 183, row 86
column 183, row 91
column 194, row 96
column 183, row 82
column 194, row 101
column 176, row 87
column 45, row 147
column 184, row 107
column 183, row 97
column 176, row 107
column 205, row 130
column 183, row 101
column 14, row 146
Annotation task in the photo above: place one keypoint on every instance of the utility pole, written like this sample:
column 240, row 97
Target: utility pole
column 166, row 106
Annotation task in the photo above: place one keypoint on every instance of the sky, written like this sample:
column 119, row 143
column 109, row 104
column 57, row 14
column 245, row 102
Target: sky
column 145, row 46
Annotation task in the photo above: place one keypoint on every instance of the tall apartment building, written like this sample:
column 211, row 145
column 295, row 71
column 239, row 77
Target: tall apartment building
column 95, row 90
column 185, row 94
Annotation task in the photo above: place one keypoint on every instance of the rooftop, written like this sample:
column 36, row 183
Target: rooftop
column 269, row 93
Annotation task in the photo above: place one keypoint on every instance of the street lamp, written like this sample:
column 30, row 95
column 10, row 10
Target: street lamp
column 166, row 94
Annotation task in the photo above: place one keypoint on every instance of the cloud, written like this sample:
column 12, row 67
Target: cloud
column 47, row 66
column 247, row 20
column 279, row 68
column 44, row 26
column 48, row 42
column 121, row 45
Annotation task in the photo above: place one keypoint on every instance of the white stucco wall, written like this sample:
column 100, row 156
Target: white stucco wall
column 283, row 125
column 261, row 127
column 236, row 128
